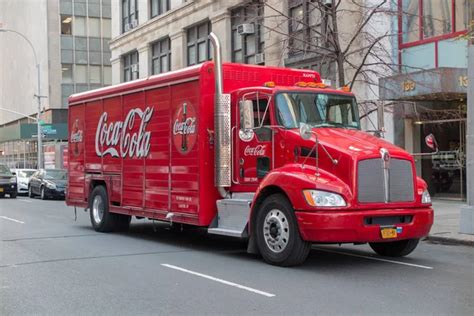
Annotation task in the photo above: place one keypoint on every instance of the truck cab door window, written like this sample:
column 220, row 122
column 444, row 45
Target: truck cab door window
column 254, row 142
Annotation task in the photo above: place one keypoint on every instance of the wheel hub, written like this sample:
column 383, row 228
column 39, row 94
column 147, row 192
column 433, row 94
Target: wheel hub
column 97, row 209
column 276, row 231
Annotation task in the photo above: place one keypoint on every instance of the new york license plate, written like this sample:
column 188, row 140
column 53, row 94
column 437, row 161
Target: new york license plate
column 388, row 232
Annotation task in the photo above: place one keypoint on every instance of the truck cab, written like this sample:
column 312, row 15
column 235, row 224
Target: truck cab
column 312, row 175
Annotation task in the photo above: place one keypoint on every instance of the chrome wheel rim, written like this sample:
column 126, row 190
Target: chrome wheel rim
column 98, row 209
column 276, row 231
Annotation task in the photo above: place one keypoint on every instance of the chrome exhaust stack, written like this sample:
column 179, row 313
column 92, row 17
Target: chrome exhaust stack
column 222, row 128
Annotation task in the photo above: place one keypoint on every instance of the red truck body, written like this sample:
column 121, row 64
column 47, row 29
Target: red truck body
column 151, row 145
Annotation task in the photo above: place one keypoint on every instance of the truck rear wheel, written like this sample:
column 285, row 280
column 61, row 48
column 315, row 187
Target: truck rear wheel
column 399, row 248
column 278, row 237
column 101, row 219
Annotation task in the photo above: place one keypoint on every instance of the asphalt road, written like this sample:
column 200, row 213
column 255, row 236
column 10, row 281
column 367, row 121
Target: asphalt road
column 51, row 264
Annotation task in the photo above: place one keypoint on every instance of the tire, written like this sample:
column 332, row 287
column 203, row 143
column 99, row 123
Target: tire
column 43, row 194
column 278, row 237
column 101, row 219
column 2, row 196
column 13, row 195
column 30, row 192
column 395, row 248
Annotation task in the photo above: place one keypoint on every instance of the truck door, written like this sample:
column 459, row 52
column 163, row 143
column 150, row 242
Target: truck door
column 253, row 156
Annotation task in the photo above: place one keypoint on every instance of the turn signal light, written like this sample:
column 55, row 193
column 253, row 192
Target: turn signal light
column 346, row 89
column 301, row 84
column 269, row 84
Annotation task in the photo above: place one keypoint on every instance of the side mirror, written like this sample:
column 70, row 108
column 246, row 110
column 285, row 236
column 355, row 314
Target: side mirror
column 305, row 131
column 246, row 114
column 430, row 141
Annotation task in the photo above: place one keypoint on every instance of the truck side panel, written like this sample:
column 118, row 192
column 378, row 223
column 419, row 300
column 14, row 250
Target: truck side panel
column 133, row 169
column 93, row 162
column 76, row 154
column 184, row 149
column 157, row 164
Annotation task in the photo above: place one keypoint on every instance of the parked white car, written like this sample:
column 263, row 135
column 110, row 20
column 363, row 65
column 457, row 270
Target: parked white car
column 23, row 179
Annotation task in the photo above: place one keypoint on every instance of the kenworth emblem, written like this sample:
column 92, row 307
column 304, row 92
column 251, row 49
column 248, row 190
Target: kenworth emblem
column 119, row 134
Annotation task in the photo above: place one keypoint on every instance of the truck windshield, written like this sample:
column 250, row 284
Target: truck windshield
column 317, row 110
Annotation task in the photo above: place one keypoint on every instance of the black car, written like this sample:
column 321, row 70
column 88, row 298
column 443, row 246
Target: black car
column 7, row 182
column 48, row 183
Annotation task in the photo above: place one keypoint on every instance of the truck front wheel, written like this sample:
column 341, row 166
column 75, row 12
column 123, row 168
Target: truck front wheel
column 278, row 237
column 101, row 219
column 395, row 248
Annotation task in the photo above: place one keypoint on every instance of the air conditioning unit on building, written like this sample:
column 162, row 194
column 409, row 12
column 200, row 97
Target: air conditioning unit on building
column 248, row 28
column 259, row 58
column 134, row 67
column 134, row 23
column 126, row 27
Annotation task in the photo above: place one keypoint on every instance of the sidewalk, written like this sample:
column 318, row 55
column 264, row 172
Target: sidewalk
column 446, row 224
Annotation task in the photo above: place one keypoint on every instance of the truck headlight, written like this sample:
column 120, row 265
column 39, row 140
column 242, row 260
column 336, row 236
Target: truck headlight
column 323, row 198
column 13, row 180
column 425, row 197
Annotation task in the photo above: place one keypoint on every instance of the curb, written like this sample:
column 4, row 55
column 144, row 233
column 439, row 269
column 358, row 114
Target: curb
column 449, row 240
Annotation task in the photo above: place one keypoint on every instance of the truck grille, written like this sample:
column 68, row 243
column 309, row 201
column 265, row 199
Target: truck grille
column 370, row 176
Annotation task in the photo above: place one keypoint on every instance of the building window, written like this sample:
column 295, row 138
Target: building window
column 130, row 66
column 247, row 34
column 95, row 75
column 66, row 73
column 80, row 26
column 427, row 19
column 106, row 28
column 158, row 7
column 161, row 56
column 94, row 27
column 66, row 25
column 129, row 15
column 305, row 26
column 80, row 74
column 198, row 43
column 107, row 75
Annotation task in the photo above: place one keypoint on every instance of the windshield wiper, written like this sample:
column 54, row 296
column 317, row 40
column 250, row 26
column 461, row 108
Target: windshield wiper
column 333, row 124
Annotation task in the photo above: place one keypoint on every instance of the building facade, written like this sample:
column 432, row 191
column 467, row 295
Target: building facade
column 154, row 36
column 430, row 89
column 70, row 39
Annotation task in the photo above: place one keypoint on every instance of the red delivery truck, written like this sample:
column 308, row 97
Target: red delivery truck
column 268, row 154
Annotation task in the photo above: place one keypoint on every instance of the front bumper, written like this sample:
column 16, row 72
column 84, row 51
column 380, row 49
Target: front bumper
column 8, row 188
column 54, row 193
column 353, row 227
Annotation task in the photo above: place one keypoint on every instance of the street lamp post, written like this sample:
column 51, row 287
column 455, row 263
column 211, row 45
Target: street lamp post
column 38, row 96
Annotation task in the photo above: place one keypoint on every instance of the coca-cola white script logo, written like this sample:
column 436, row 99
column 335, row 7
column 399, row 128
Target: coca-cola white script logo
column 185, row 128
column 258, row 150
column 110, row 135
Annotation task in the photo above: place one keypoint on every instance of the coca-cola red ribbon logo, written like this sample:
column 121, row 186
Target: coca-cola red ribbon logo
column 122, row 139
column 184, row 127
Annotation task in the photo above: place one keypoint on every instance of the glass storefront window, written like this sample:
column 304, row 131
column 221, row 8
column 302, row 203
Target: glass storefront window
column 411, row 26
column 437, row 17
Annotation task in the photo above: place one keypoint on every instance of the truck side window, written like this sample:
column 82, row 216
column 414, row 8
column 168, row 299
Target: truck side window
column 259, row 107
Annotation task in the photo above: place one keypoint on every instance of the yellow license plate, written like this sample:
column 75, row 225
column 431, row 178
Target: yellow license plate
column 1, row 189
column 388, row 233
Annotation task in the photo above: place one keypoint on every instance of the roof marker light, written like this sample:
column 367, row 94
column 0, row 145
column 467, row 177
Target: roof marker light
column 269, row 84
column 346, row 89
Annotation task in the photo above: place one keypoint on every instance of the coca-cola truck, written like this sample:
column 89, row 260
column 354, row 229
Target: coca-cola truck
column 271, row 155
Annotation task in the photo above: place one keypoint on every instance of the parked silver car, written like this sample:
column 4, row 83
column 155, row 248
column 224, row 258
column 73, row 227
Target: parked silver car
column 23, row 179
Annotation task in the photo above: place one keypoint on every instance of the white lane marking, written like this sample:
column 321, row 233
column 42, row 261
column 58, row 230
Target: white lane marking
column 12, row 219
column 23, row 200
column 219, row 280
column 377, row 259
